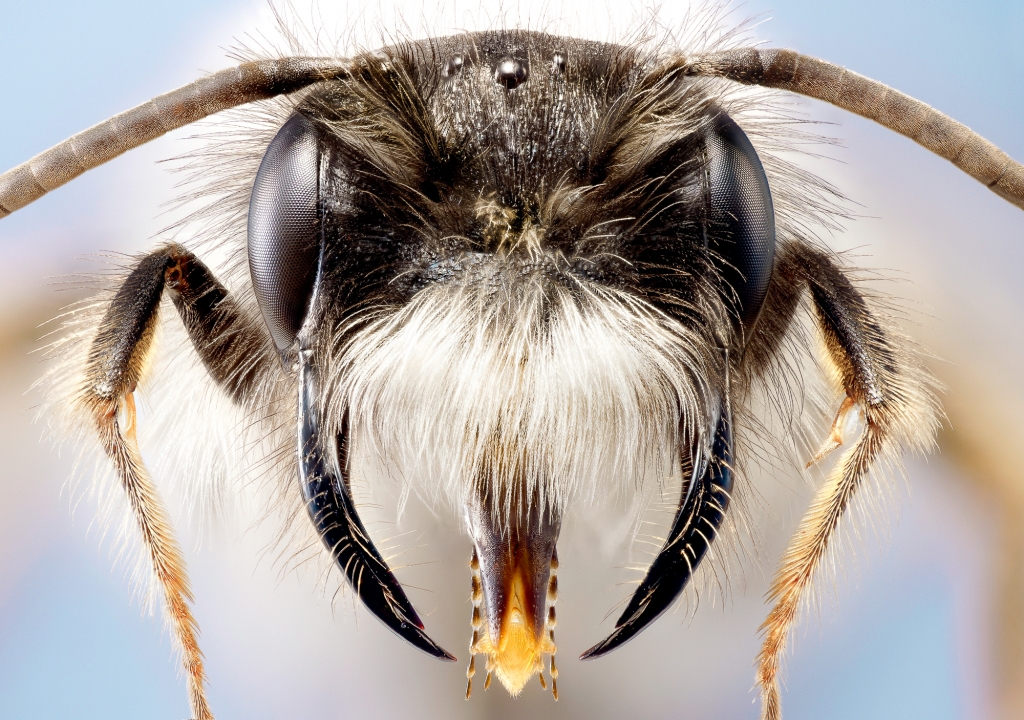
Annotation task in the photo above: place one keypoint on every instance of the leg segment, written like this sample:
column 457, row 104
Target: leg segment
column 882, row 379
column 233, row 348
column 116, row 362
column 155, row 528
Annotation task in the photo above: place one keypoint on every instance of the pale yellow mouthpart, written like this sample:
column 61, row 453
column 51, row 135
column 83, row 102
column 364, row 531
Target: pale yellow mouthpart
column 519, row 652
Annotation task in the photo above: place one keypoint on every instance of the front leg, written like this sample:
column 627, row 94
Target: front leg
column 883, row 380
column 232, row 349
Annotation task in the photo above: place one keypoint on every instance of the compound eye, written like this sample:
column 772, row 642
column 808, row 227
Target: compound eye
column 741, row 218
column 284, row 229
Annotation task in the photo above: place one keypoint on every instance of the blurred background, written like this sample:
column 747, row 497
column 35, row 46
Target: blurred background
column 927, row 622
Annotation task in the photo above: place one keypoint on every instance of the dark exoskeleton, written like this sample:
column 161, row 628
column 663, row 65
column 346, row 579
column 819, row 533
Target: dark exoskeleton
column 515, row 159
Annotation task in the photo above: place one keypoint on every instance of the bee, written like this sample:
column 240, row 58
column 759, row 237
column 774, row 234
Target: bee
column 518, row 270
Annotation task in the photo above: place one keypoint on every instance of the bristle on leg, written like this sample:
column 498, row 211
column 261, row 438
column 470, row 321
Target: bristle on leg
column 847, row 423
column 115, row 421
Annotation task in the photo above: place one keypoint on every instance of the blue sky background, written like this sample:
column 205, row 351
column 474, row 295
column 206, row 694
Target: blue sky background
column 908, row 635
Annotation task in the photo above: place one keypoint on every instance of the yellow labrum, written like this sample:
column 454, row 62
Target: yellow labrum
column 520, row 632
column 517, row 654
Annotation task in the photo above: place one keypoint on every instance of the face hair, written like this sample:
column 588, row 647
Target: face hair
column 547, row 272
column 435, row 393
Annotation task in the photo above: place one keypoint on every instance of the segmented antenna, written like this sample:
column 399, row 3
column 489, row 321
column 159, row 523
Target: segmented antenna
column 91, row 148
column 806, row 75
column 782, row 69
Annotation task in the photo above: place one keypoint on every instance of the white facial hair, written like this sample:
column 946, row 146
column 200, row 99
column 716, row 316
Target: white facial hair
column 555, row 388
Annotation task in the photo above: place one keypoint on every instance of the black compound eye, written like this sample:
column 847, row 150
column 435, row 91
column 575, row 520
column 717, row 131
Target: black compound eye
column 741, row 217
column 284, row 229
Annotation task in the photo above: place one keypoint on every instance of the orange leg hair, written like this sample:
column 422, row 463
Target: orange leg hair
column 234, row 352
column 883, row 379
column 164, row 552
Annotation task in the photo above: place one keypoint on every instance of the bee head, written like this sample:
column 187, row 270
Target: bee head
column 515, row 264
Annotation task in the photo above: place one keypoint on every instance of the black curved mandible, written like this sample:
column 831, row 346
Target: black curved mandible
column 334, row 514
column 702, row 509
